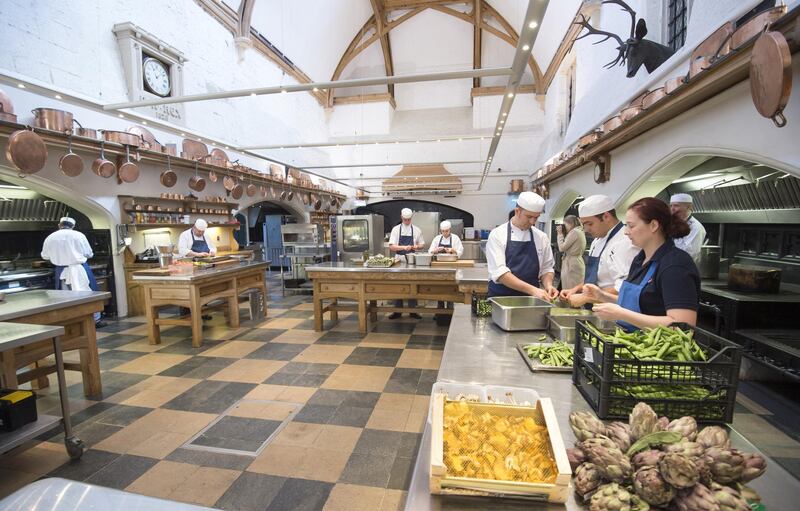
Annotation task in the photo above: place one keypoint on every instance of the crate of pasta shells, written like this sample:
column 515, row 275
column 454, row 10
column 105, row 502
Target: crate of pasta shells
column 498, row 450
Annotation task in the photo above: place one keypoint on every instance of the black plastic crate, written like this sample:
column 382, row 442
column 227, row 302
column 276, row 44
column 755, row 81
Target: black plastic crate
column 477, row 298
column 17, row 408
column 613, row 385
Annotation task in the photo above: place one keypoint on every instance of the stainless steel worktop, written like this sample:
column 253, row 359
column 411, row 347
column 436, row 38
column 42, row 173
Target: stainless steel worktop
column 479, row 352
column 475, row 275
column 203, row 274
column 43, row 300
column 397, row 268
column 13, row 335
column 788, row 292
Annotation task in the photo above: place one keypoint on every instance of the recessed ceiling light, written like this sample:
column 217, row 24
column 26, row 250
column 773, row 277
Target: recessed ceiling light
column 183, row 134
column 226, row 147
column 199, row 139
column 144, row 122
column 21, row 85
column 120, row 116
column 418, row 141
column 533, row 24
column 502, row 121
column 315, row 89
column 58, row 96
column 281, row 147
column 252, row 93
column 459, row 139
column 438, row 140
column 510, row 94
column 283, row 91
column 505, row 114
column 526, row 48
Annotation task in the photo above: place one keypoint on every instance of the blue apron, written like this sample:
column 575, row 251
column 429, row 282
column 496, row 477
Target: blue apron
column 629, row 295
column 593, row 262
column 523, row 261
column 89, row 273
column 405, row 240
column 449, row 242
column 200, row 245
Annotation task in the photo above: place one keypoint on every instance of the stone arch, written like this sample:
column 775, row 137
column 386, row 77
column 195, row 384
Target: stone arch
column 563, row 203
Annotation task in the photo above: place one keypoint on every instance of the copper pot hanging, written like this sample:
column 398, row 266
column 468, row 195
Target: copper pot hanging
column 237, row 191
column 101, row 166
column 71, row 164
column 196, row 182
column 128, row 172
column 122, row 137
column 228, row 183
column 317, row 202
column 212, row 176
column 251, row 189
column 26, row 151
column 52, row 119
column 169, row 177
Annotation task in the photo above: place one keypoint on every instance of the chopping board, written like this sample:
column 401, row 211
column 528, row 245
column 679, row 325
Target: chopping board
column 463, row 263
column 152, row 273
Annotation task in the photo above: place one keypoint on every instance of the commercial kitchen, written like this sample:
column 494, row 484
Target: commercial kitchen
column 400, row 255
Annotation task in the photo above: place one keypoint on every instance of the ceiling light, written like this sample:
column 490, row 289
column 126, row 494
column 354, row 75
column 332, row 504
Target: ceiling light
column 533, row 24
column 459, row 140
column 418, row 141
column 438, row 140
column 21, row 85
column 199, row 139
column 121, row 116
column 144, row 122
column 281, row 147
column 283, row 91
column 505, row 114
column 510, row 94
column 502, row 121
column 226, row 147
column 526, row 48
column 315, row 89
column 58, row 96
column 252, row 93
column 183, row 134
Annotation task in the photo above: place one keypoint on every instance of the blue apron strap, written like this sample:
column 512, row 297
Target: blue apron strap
column 630, row 294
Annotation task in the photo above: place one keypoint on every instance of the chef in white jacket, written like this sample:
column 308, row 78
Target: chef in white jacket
column 194, row 242
column 446, row 242
column 69, row 250
column 681, row 206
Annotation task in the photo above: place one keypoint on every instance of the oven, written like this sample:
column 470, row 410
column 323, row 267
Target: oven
column 25, row 280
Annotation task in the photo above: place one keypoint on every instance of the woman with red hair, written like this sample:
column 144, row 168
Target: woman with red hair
column 663, row 284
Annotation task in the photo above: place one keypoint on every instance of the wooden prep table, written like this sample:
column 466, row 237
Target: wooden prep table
column 194, row 290
column 73, row 310
column 366, row 286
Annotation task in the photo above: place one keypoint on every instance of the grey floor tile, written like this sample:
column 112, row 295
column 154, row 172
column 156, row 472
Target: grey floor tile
column 385, row 357
column 238, row 433
column 341, row 338
column 91, row 433
column 301, row 495
column 210, row 397
column 308, row 368
column 185, row 347
column 318, row 414
column 198, row 367
column 112, row 381
column 251, row 492
column 89, row 464
column 301, row 314
column 309, row 325
column 430, row 342
column 115, row 341
column 122, row 471
column 379, row 442
column 121, row 415
column 113, row 358
column 282, row 379
column 792, row 465
column 328, row 397
column 403, row 381
column 394, row 327
column 260, row 334
column 277, row 351
column 354, row 416
column 117, row 326
column 400, row 476
column 210, row 459
column 368, row 470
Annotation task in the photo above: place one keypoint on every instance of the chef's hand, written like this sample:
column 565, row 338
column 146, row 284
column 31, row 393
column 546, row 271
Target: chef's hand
column 539, row 293
column 566, row 293
column 592, row 292
column 577, row 299
column 552, row 293
column 610, row 311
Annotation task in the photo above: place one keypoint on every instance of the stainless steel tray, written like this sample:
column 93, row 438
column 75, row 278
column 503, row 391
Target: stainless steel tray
column 513, row 313
column 536, row 366
column 562, row 329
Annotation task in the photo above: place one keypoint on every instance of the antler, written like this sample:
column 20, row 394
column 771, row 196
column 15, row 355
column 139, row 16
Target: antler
column 590, row 30
column 627, row 8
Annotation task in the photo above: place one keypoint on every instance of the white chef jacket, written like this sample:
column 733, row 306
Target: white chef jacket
column 405, row 230
column 692, row 242
column 70, row 249
column 186, row 240
column 496, row 250
column 454, row 240
column 616, row 259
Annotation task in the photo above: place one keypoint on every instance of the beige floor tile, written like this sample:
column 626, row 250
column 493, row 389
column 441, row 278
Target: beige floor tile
column 391, row 420
column 299, row 337
column 421, row 404
column 144, row 346
column 375, row 340
column 13, row 480
column 249, row 370
column 350, row 497
column 279, row 460
column 282, row 323
column 232, row 349
column 363, row 378
column 345, row 326
column 164, row 390
column 156, row 434
column 394, row 500
column 323, row 464
column 420, row 359
column 337, row 438
column 162, row 479
column 37, row 460
column 299, row 434
column 152, row 363
column 760, row 432
column 281, row 393
column 416, row 422
column 324, row 354
column 389, row 401
column 304, row 307
column 205, row 486
column 262, row 410
column 137, row 330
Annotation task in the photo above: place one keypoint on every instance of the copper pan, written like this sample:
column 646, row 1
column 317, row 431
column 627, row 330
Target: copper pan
column 674, row 84
column 629, row 113
column 317, row 202
column 122, row 137
column 148, row 139
column 251, row 190
column 170, row 149
column 27, row 151
column 653, row 97
column 755, row 25
column 290, row 195
column 588, row 139
column 193, row 149
column 612, row 124
column 101, row 166
column 237, row 191
column 263, row 190
column 70, row 164
column 169, row 177
column 80, row 131
column 127, row 172
column 228, row 183
column 52, row 119
column 196, row 182
column 212, row 176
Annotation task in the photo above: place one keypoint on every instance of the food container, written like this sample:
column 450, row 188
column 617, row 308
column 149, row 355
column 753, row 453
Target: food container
column 447, row 258
column 754, row 279
column 546, row 450
column 512, row 313
column 561, row 328
column 422, row 259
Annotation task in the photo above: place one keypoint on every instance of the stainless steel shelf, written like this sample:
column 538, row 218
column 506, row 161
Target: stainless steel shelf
column 12, row 439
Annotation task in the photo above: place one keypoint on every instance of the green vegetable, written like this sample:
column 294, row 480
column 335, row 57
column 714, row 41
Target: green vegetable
column 653, row 440
column 658, row 344
column 557, row 354
column 483, row 308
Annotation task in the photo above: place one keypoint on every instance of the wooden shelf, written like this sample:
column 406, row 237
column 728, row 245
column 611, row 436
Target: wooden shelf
column 171, row 211
column 183, row 225
column 229, row 205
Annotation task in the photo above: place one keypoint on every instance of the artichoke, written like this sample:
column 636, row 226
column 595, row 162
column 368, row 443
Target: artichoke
column 612, row 463
column 587, row 479
column 575, row 456
column 643, row 421
column 651, row 486
column 639, row 504
column 696, row 498
column 690, row 449
column 748, row 493
column 754, row 466
column 678, row 470
column 620, row 433
column 585, row 425
column 714, row 436
column 703, row 470
column 662, row 424
column 598, row 441
column 686, row 426
column 611, row 497
column 728, row 498
column 647, row 459
column 726, row 465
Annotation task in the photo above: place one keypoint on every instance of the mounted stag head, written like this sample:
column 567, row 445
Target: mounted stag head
column 636, row 50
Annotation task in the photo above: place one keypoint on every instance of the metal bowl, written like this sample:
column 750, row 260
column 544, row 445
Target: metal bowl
column 447, row 258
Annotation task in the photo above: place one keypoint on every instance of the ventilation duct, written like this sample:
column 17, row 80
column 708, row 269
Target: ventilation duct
column 776, row 200
column 18, row 214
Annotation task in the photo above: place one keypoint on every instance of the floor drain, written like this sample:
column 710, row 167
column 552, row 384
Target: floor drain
column 245, row 428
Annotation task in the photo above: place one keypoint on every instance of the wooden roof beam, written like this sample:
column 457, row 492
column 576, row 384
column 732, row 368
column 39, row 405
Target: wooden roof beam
column 477, row 36
column 386, row 49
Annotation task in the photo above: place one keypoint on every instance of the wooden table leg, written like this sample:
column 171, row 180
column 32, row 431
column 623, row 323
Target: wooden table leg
column 373, row 311
column 334, row 309
column 233, row 311
column 317, row 314
column 362, row 316
column 90, row 360
column 264, row 290
column 41, row 382
column 153, row 330
column 196, row 314
column 8, row 370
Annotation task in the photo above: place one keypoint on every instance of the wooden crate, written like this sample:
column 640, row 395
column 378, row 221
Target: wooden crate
column 443, row 484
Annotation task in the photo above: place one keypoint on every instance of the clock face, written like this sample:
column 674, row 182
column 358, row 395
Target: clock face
column 156, row 77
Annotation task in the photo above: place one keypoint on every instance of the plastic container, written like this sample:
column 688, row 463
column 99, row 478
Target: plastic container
column 478, row 298
column 613, row 385
column 17, row 408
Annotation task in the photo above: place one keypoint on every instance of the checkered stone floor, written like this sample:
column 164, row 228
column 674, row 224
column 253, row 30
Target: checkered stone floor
column 352, row 444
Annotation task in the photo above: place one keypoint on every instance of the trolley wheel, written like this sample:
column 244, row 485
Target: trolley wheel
column 75, row 447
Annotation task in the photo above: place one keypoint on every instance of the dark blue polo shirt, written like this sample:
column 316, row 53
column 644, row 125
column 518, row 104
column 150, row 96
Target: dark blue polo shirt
column 675, row 285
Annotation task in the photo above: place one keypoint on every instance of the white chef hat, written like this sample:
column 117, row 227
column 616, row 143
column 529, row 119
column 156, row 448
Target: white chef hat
column 681, row 198
column 201, row 225
column 595, row 205
column 67, row 220
column 445, row 225
column 531, row 201
column 406, row 213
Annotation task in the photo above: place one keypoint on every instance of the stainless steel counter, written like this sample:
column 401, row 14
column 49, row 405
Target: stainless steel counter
column 788, row 292
column 204, row 274
column 13, row 335
column 44, row 300
column 475, row 275
column 479, row 352
column 397, row 268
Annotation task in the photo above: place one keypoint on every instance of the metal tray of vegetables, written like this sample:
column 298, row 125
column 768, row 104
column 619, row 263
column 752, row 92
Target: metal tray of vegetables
column 547, row 356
